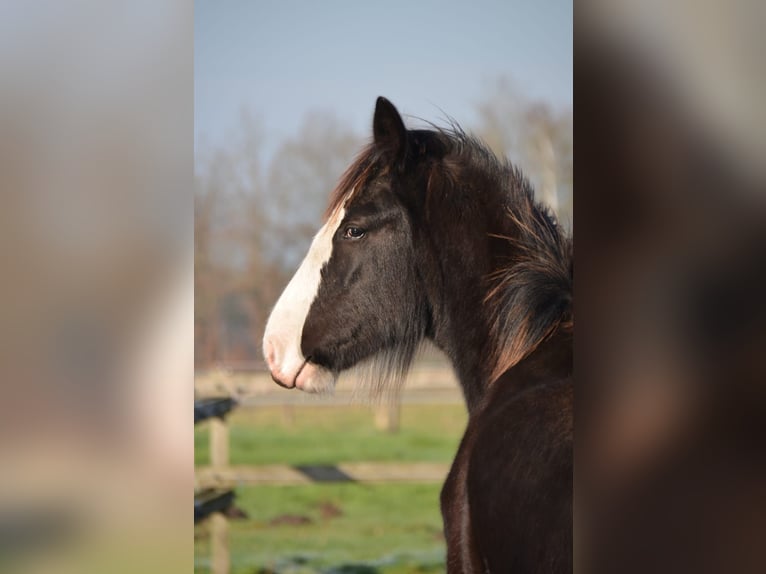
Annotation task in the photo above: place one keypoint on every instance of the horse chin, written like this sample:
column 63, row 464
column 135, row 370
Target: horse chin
column 315, row 379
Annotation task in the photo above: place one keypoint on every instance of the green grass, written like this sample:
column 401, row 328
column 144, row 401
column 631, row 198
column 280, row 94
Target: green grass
column 376, row 529
column 327, row 435
column 382, row 529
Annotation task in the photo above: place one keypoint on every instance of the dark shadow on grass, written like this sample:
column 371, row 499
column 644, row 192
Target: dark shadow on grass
column 341, row 569
column 306, row 564
column 351, row 569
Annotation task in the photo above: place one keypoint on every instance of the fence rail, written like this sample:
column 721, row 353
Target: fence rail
column 280, row 474
column 431, row 382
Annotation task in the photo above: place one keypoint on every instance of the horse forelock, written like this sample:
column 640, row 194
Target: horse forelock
column 353, row 179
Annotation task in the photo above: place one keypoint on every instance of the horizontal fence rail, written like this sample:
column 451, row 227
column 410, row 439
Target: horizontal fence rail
column 426, row 382
column 280, row 474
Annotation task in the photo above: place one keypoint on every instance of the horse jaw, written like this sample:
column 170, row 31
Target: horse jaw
column 282, row 338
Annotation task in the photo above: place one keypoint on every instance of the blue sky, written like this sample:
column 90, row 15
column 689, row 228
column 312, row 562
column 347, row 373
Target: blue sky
column 281, row 59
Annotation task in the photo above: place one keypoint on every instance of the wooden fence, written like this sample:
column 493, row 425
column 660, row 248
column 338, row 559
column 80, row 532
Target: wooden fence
column 218, row 392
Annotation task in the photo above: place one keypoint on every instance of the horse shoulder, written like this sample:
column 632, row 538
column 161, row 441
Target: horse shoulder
column 519, row 479
column 462, row 555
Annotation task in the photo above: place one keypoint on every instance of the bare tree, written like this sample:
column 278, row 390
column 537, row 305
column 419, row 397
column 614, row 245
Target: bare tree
column 227, row 244
column 535, row 137
column 252, row 225
column 303, row 173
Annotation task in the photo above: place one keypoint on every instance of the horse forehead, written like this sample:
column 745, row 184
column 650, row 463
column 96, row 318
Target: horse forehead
column 370, row 197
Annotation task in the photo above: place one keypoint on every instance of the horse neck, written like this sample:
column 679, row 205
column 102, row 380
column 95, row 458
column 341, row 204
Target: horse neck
column 474, row 249
column 463, row 336
column 551, row 361
column 463, row 261
column 467, row 348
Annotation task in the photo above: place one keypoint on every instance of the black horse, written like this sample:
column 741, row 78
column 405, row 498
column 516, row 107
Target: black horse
column 430, row 236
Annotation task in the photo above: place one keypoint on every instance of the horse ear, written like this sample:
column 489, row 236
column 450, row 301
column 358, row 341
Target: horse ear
column 388, row 128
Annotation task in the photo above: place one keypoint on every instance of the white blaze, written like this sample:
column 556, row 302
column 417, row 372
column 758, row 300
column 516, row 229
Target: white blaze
column 282, row 339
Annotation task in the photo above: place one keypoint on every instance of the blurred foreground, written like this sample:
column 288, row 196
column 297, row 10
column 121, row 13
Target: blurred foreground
column 96, row 337
column 671, row 256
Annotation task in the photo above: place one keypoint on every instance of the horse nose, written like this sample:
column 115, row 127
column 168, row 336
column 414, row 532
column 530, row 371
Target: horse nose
column 280, row 378
column 281, row 382
column 268, row 351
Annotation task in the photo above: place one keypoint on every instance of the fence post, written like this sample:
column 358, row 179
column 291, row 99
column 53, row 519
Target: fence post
column 219, row 442
column 219, row 543
column 387, row 415
column 288, row 415
column 219, row 525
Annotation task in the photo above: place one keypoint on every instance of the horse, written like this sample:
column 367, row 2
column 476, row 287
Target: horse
column 429, row 236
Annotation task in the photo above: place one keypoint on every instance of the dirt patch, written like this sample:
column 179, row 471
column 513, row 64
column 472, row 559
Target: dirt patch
column 290, row 520
column 328, row 510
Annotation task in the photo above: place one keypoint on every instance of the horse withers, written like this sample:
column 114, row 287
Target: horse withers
column 429, row 236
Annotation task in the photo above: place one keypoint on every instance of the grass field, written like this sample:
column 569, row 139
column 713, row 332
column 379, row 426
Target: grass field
column 349, row 528
column 345, row 528
column 330, row 434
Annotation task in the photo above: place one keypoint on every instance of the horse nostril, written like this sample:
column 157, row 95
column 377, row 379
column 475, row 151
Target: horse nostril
column 269, row 354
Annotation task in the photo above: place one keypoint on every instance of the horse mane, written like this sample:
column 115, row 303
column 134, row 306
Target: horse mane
column 530, row 295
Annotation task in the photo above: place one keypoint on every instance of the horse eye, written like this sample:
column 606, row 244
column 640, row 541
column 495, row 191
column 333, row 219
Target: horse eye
column 353, row 233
